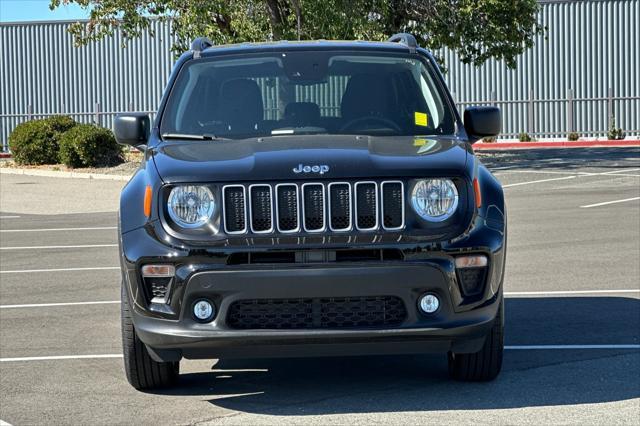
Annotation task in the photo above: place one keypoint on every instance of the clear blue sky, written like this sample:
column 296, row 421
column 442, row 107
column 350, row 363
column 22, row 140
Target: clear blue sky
column 37, row 10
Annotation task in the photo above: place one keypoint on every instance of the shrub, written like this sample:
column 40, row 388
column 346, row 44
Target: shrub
column 86, row 145
column 490, row 139
column 525, row 137
column 37, row 141
column 34, row 142
column 573, row 136
column 614, row 133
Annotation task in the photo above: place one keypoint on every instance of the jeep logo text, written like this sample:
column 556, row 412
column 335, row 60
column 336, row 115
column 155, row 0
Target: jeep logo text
column 322, row 169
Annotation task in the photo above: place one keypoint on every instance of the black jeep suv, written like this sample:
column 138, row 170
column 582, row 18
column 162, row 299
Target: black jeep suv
column 310, row 199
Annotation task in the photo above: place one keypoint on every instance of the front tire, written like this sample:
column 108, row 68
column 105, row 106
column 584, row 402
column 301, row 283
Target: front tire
column 143, row 373
column 484, row 365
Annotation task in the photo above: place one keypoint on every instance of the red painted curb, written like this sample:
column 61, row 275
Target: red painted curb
column 5, row 155
column 555, row 144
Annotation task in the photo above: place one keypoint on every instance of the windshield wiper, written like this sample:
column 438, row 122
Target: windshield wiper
column 205, row 137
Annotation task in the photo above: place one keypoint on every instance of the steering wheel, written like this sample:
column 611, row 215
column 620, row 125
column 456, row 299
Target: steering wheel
column 371, row 118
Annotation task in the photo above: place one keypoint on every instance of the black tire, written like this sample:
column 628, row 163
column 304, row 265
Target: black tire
column 484, row 365
column 143, row 373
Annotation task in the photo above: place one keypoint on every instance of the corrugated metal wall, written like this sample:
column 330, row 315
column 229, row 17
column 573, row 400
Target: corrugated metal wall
column 42, row 73
column 591, row 55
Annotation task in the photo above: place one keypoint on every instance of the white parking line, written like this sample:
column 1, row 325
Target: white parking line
column 568, row 347
column 538, row 181
column 8, row 217
column 97, row 268
column 48, row 305
column 58, row 247
column 544, row 293
column 96, row 228
column 59, row 357
column 507, row 347
column 3, row 423
column 609, row 202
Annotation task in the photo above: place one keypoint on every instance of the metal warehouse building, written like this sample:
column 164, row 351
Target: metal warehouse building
column 583, row 73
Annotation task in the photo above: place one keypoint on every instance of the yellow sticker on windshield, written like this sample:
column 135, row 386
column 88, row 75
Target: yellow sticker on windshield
column 421, row 119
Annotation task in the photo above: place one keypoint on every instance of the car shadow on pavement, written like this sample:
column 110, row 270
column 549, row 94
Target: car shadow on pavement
column 313, row 386
column 562, row 159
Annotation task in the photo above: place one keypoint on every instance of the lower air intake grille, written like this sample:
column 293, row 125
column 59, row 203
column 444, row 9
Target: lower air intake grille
column 320, row 313
column 471, row 280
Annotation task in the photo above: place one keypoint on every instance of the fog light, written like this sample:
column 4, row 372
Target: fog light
column 203, row 310
column 429, row 303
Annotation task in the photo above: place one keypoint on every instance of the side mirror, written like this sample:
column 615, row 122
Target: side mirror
column 132, row 129
column 482, row 121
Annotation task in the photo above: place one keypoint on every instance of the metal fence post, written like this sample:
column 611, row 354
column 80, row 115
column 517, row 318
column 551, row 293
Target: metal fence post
column 609, row 106
column 530, row 113
column 570, row 123
column 96, row 110
column 494, row 98
column 29, row 112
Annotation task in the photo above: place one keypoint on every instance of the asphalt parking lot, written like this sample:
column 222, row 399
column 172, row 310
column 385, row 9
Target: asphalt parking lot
column 572, row 309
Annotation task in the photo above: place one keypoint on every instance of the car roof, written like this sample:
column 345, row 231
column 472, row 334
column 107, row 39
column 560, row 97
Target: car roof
column 305, row 45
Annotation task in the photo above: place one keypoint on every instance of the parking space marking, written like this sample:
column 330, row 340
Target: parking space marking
column 544, row 293
column 58, row 247
column 609, row 202
column 96, row 268
column 3, row 423
column 507, row 347
column 538, row 181
column 8, row 217
column 48, row 305
column 59, row 357
column 96, row 228
column 568, row 347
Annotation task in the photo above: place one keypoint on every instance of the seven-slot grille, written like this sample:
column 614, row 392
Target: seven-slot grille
column 313, row 207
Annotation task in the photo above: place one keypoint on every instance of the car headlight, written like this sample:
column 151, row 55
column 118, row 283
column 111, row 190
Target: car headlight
column 191, row 206
column 434, row 200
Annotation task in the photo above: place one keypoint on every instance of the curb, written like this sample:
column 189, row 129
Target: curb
column 498, row 146
column 61, row 174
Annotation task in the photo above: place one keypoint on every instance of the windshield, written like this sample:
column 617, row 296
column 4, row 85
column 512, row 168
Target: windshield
column 306, row 92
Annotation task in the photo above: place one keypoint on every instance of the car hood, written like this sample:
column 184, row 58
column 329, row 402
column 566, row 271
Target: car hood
column 276, row 157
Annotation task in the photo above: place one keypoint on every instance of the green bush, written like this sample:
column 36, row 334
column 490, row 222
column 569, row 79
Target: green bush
column 525, row 137
column 86, row 145
column 573, row 136
column 60, row 123
column 614, row 133
column 36, row 142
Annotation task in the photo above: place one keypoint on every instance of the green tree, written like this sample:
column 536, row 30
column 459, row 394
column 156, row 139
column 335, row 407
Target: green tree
column 476, row 29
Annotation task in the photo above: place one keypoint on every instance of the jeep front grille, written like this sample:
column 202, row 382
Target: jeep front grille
column 313, row 207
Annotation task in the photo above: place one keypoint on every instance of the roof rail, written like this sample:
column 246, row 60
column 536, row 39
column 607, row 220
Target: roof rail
column 406, row 39
column 200, row 44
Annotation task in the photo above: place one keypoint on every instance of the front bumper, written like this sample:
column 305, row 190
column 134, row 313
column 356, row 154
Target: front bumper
column 170, row 332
